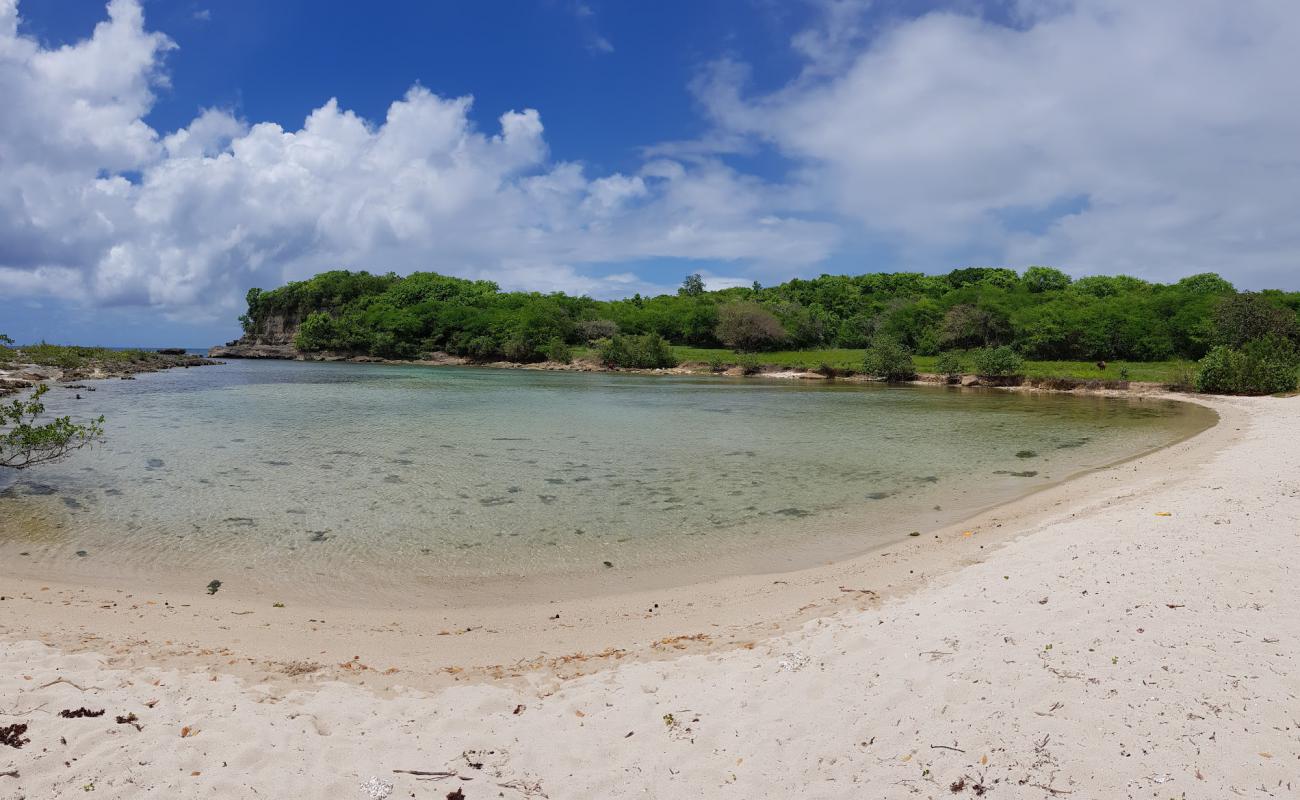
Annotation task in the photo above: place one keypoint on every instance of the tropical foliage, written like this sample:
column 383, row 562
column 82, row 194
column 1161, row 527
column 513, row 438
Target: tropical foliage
column 1041, row 315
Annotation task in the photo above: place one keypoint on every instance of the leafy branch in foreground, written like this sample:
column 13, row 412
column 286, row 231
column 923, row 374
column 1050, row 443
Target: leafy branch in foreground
column 25, row 443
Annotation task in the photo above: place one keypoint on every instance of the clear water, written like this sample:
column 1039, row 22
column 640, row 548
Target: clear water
column 325, row 475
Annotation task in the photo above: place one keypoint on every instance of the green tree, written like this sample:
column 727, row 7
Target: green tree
column 1045, row 279
column 27, row 442
column 746, row 327
column 1251, row 316
column 692, row 286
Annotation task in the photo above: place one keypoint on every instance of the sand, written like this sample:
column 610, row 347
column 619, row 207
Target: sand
column 1126, row 634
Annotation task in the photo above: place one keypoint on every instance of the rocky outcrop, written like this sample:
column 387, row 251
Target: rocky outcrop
column 241, row 348
column 19, row 375
column 272, row 338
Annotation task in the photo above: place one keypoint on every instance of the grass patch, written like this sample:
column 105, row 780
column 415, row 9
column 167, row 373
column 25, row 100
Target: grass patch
column 71, row 357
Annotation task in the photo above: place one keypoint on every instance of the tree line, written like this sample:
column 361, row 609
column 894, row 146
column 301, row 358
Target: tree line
column 1041, row 314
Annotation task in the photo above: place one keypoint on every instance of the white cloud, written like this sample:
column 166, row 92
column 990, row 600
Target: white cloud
column 1167, row 127
column 95, row 204
column 1156, row 138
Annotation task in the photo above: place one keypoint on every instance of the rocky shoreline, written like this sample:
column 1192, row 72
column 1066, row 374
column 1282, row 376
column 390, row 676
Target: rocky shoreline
column 20, row 374
column 287, row 352
column 274, row 339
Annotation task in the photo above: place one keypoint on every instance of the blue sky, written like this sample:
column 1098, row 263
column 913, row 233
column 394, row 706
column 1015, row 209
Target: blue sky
column 162, row 157
column 278, row 61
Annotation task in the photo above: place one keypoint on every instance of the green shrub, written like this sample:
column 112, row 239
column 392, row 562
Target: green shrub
column 317, row 332
column 949, row 365
column 1264, row 366
column 648, row 351
column 999, row 362
column 557, row 350
column 716, row 364
column 519, row 350
column 888, row 359
column 749, row 365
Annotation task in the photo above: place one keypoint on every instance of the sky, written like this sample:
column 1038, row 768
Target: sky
column 160, row 157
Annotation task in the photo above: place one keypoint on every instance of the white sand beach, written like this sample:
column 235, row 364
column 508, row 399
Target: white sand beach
column 1126, row 634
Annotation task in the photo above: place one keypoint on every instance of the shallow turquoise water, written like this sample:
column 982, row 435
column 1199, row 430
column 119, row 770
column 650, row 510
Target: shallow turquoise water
column 303, row 473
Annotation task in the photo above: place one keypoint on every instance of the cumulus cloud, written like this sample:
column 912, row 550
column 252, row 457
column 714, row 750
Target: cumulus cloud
column 97, row 205
column 1156, row 138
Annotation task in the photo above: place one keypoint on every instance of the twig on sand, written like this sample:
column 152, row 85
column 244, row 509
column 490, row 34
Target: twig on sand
column 946, row 747
column 13, row 773
column 533, row 789
column 1049, row 789
column 431, row 775
column 61, row 680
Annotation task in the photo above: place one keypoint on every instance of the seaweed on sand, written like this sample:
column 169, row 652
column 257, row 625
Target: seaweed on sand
column 12, row 735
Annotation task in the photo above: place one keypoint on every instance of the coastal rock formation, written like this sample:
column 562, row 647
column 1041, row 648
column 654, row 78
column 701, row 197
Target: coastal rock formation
column 271, row 338
column 243, row 348
column 19, row 375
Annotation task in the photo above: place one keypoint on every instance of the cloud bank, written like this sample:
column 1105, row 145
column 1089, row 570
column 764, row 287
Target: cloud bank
column 96, row 206
column 1154, row 138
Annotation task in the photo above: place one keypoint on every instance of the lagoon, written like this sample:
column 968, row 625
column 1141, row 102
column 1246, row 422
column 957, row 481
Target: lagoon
column 369, row 481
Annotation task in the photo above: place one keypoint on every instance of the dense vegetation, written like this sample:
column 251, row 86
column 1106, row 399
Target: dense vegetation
column 1041, row 315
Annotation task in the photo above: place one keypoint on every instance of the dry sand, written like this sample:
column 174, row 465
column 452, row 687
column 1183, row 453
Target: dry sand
column 1127, row 634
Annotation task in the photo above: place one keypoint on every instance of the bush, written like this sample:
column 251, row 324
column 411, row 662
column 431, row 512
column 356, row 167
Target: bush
column 749, row 365
column 746, row 327
column 999, row 362
column 557, row 350
column 594, row 329
column 317, row 332
column 1264, row 366
column 889, row 360
column 636, row 352
column 519, row 350
column 949, row 366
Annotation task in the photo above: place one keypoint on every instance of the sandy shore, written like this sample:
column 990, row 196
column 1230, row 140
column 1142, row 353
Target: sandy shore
column 1127, row 634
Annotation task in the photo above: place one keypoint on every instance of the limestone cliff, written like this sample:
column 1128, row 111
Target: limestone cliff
column 271, row 338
